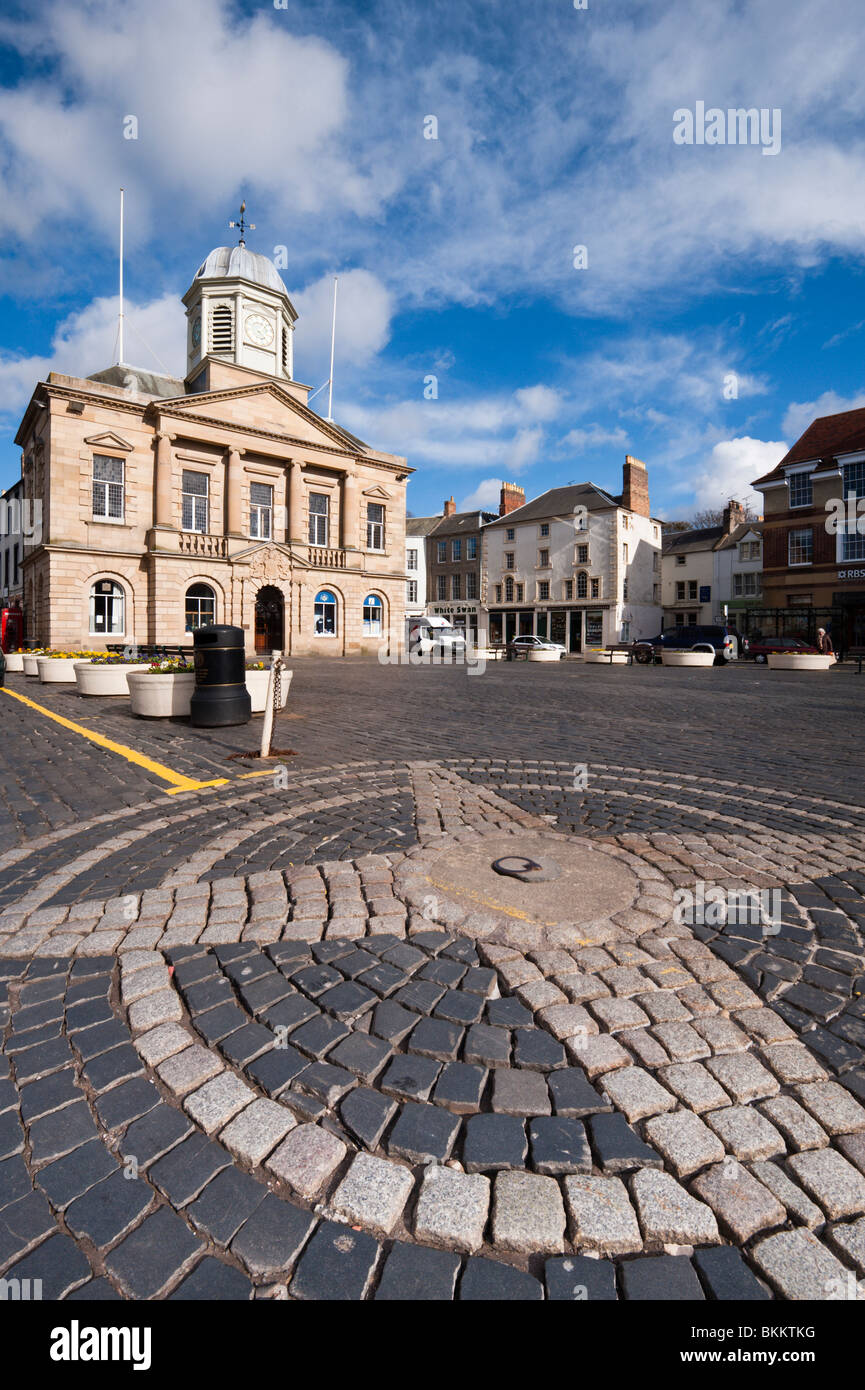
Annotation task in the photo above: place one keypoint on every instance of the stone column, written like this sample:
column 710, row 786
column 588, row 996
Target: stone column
column 233, row 484
column 296, row 535
column 348, row 511
column 162, row 503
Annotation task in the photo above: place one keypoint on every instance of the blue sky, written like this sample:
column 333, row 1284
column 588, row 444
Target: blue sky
column 456, row 255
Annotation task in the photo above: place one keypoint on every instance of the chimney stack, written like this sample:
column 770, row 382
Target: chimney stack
column 450, row 507
column 512, row 497
column 734, row 515
column 635, row 486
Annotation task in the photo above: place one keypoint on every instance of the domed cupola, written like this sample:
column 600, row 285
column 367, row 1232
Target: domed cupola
column 238, row 310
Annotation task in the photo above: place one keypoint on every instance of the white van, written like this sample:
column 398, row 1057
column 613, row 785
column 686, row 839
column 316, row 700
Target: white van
column 434, row 634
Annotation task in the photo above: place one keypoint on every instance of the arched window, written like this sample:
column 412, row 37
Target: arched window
column 582, row 585
column 325, row 614
column 221, row 332
column 200, row 606
column 106, row 608
column 372, row 613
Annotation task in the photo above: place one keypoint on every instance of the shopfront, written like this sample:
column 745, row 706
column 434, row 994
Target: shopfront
column 463, row 616
column 575, row 628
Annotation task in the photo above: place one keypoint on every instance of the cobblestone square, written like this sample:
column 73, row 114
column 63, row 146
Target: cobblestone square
column 289, row 1034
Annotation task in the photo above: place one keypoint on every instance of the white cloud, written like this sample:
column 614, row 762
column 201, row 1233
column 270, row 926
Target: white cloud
column 539, row 402
column 486, row 497
column 85, row 342
column 730, row 470
column 800, row 414
column 594, row 437
column 363, row 314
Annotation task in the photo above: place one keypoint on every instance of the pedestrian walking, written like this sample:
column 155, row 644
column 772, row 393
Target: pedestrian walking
column 824, row 642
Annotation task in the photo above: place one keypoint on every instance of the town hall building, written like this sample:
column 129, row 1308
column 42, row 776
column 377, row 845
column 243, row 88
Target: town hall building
column 223, row 497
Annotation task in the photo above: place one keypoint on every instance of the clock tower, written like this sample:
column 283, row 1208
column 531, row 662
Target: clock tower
column 238, row 311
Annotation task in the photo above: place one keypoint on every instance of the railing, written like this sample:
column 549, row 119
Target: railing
column 324, row 558
column 194, row 543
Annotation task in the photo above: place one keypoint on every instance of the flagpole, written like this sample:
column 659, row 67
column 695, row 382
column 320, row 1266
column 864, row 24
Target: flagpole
column 120, row 315
column 332, row 344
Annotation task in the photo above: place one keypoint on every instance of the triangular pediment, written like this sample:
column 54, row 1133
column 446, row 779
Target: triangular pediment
column 265, row 406
column 109, row 440
column 378, row 492
column 271, row 559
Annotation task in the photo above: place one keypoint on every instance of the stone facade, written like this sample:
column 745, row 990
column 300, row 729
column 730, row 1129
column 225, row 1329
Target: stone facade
column 220, row 498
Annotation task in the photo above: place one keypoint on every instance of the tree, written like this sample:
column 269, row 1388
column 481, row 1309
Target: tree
column 714, row 516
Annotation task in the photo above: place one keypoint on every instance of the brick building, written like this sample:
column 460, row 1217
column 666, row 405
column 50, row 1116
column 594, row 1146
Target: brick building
column 454, row 567
column 222, row 497
column 814, row 532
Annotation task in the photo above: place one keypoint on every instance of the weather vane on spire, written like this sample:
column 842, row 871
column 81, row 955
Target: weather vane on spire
column 243, row 225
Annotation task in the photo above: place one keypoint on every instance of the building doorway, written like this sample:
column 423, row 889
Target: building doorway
column 269, row 620
column 576, row 642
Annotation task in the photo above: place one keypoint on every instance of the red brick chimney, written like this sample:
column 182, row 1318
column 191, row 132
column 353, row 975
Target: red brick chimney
column 511, row 498
column 450, row 507
column 635, row 486
column 734, row 515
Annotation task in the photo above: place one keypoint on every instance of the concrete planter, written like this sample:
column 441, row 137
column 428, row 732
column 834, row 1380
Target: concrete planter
column 256, row 684
column 161, row 696
column 602, row 658
column 104, row 680
column 29, row 664
column 687, row 658
column 14, row 661
column 800, row 661
column 541, row 655
column 53, row 669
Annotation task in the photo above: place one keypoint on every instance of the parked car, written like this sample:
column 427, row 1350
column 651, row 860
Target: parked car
column 521, row 646
column 724, row 641
column 761, row 647
column 435, row 634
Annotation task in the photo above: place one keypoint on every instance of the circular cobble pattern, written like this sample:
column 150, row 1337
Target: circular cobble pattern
column 253, row 1042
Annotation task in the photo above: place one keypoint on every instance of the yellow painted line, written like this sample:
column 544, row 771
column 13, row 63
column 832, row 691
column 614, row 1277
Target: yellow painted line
column 265, row 772
column 178, row 782
column 481, row 898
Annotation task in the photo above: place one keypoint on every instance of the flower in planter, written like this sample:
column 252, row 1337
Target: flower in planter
column 257, row 666
column 169, row 666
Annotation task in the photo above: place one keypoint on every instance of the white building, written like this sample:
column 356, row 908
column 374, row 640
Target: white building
column 14, row 533
column 417, row 528
column 577, row 565
column 739, row 570
column 690, row 572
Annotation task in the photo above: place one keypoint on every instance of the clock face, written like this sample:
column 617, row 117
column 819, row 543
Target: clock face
column 196, row 333
column 258, row 330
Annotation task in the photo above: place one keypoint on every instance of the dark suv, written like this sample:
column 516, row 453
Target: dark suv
column 724, row 641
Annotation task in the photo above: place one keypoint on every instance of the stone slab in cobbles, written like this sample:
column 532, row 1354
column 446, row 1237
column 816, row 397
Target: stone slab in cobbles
column 746, row 1133
column 186, row 1070
column 685, row 1141
column 726, row 1277
column 414, row 1273
column 742, row 1205
column 670, row 1215
column 833, row 1182
column 218, row 1101
column 154, row 1255
column 617, row 1147
column 580, row 1279
column 521, row 1093
column 833, row 1107
column 743, row 1077
column 661, row 1277
column 799, row 1128
column 336, row 1266
column 800, row 1267
column 849, row 1241
column 528, row 1214
column 367, row 1114
column 491, row 1281
column 600, row 1215
column 802, row 1211
column 373, row 1194
column 423, row 1133
column 452, row 1209
column 694, row 1086
column 271, row 1239
column 256, row 1131
column 637, row 1094
column 307, row 1159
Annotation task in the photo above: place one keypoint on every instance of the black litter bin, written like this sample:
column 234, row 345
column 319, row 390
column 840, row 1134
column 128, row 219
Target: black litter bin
column 221, row 696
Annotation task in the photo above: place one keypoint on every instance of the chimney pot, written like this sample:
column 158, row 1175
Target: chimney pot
column 635, row 486
column 512, row 497
column 450, row 507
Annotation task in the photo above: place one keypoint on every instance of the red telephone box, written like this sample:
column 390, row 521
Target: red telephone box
column 11, row 629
